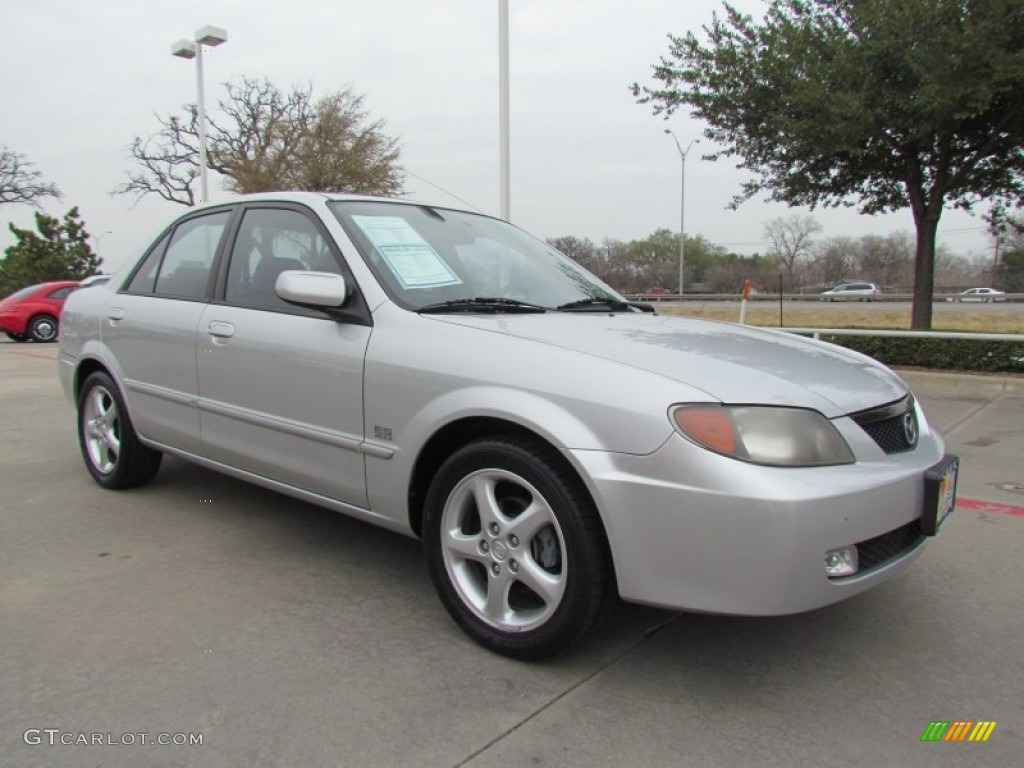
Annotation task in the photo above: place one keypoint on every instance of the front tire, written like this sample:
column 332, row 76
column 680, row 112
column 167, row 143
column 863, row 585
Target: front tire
column 111, row 449
column 514, row 547
column 43, row 329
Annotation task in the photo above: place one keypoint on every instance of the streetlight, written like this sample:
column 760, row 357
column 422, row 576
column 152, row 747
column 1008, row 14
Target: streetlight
column 188, row 49
column 503, row 121
column 682, row 202
column 96, row 239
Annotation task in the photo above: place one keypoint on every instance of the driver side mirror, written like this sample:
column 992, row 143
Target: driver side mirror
column 314, row 290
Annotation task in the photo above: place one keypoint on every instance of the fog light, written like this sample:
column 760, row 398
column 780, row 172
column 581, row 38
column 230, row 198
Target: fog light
column 841, row 562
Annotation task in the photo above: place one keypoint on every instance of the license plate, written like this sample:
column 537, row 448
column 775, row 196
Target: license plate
column 939, row 494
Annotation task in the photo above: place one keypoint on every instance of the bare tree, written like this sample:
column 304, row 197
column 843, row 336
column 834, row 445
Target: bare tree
column 584, row 252
column 834, row 261
column 791, row 239
column 167, row 162
column 888, row 260
column 267, row 139
column 20, row 182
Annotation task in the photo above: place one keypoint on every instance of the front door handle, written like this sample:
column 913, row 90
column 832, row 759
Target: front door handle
column 223, row 330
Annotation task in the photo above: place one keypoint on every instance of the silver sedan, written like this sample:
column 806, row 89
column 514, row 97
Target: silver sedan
column 446, row 375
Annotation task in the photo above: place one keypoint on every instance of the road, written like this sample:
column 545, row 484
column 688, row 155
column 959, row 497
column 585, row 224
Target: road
column 938, row 308
column 283, row 634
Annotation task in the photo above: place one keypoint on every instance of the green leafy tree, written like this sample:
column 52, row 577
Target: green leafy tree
column 657, row 259
column 728, row 271
column 887, row 105
column 60, row 251
column 621, row 273
column 262, row 138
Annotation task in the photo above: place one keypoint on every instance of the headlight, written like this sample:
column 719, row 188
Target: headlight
column 783, row 437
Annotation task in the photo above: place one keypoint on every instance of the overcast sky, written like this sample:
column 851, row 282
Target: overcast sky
column 81, row 78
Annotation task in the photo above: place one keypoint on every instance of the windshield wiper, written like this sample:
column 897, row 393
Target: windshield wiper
column 482, row 304
column 600, row 305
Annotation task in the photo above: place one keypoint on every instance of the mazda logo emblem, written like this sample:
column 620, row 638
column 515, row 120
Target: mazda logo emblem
column 910, row 428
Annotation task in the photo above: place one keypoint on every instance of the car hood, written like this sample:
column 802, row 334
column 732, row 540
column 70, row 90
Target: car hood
column 732, row 363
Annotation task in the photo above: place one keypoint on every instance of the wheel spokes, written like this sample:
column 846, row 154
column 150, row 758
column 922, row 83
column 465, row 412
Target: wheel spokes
column 496, row 606
column 466, row 546
column 487, row 505
column 549, row 587
column 102, row 430
column 532, row 519
column 504, row 550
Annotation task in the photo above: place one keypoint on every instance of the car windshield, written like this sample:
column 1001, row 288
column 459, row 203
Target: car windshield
column 437, row 258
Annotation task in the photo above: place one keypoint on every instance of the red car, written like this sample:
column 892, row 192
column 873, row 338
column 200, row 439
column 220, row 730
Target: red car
column 34, row 312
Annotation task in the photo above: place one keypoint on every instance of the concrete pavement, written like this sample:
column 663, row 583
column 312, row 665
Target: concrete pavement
column 982, row 419
column 284, row 634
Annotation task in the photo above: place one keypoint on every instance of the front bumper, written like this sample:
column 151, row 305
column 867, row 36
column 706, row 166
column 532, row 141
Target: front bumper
column 691, row 530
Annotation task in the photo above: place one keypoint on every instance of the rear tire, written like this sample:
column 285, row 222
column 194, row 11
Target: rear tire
column 514, row 547
column 113, row 454
column 43, row 329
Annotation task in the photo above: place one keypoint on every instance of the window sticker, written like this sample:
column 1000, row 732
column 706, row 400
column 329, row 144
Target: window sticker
column 409, row 257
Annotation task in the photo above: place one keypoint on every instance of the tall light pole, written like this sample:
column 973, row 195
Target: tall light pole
column 96, row 239
column 682, row 202
column 503, row 128
column 188, row 49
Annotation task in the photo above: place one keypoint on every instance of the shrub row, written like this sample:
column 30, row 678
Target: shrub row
column 948, row 354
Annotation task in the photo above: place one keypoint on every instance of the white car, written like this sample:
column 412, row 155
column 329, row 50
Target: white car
column 94, row 280
column 985, row 295
column 852, row 292
column 445, row 375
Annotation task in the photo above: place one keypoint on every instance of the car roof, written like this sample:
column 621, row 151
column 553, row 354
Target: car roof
column 313, row 199
column 319, row 197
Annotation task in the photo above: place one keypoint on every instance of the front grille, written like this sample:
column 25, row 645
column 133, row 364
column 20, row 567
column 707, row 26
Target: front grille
column 881, row 549
column 893, row 427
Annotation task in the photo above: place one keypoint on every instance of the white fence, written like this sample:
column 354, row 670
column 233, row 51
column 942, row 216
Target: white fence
column 817, row 333
column 939, row 298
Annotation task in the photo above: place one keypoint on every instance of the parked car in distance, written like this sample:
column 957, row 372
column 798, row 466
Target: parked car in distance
column 852, row 292
column 655, row 294
column 445, row 375
column 981, row 294
column 33, row 313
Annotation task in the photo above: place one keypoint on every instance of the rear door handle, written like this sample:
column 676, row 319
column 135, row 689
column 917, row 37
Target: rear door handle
column 115, row 313
column 223, row 330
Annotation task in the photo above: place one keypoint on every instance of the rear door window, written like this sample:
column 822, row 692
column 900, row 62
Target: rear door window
column 185, row 268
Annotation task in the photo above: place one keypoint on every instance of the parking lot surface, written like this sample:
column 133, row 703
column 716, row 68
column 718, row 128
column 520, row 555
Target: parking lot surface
column 278, row 633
